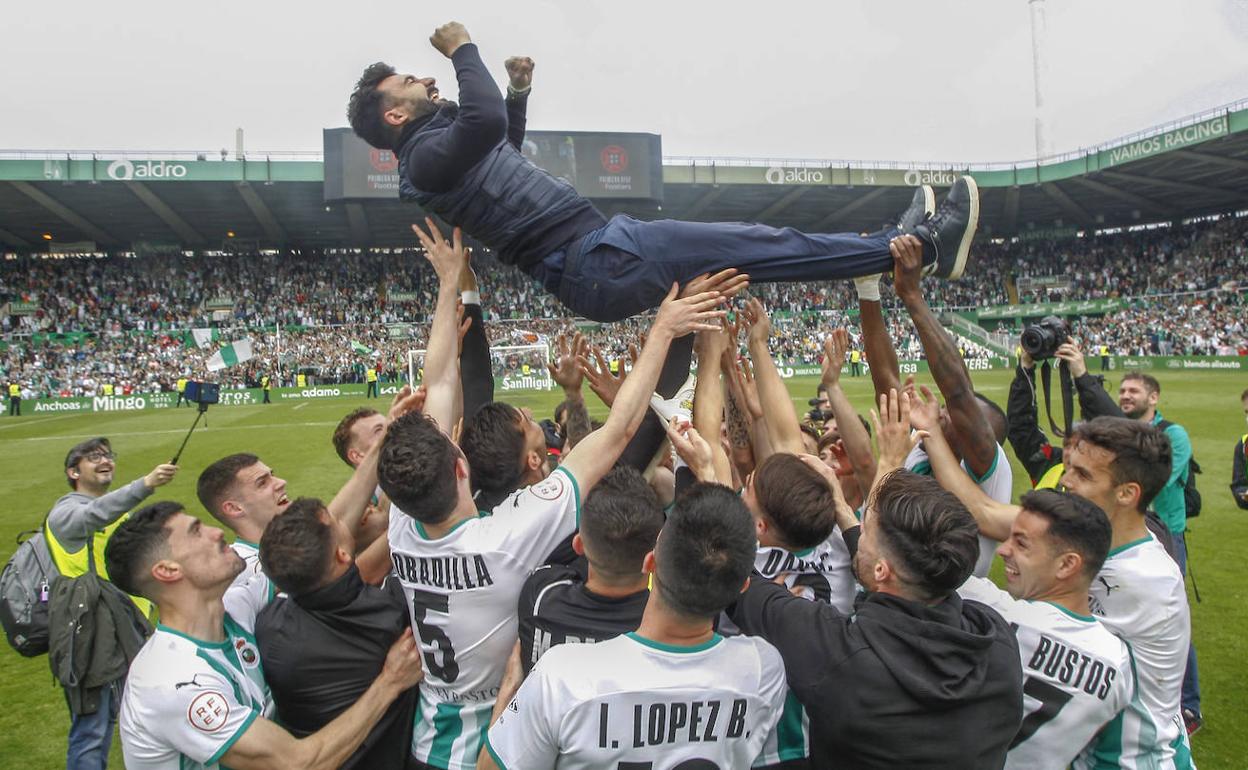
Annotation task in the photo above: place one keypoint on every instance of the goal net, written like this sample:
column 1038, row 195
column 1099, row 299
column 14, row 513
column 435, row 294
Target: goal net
column 516, row 367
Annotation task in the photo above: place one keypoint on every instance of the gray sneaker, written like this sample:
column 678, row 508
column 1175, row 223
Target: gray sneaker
column 951, row 229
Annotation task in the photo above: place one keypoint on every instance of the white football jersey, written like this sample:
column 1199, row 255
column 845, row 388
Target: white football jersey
column 188, row 701
column 632, row 702
column 463, row 589
column 1077, row 676
column 1139, row 595
column 252, row 573
column 823, row 572
column 997, row 483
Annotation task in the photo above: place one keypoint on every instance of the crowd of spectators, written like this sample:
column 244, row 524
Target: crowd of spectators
column 127, row 321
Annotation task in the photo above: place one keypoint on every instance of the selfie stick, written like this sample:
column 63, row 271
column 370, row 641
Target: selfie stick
column 203, row 409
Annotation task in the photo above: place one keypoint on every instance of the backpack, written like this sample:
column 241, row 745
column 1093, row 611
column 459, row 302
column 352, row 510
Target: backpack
column 1192, row 502
column 25, row 586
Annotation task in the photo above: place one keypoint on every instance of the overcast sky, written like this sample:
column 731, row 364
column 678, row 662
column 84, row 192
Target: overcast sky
column 850, row 79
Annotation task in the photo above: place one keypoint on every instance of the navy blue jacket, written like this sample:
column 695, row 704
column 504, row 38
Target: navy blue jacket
column 463, row 163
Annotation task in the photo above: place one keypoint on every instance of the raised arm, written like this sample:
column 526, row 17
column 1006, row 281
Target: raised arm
column 853, row 433
column 441, row 361
column 520, row 75
column 878, row 345
column 352, row 500
column 439, row 159
column 591, row 459
column 266, row 746
column 1031, row 445
column 995, row 519
column 708, row 399
column 567, row 373
column 783, row 429
column 976, row 442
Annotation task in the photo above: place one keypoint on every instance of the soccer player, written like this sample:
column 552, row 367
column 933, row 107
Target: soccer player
column 1077, row 676
column 915, row 677
column 463, row 162
column 195, row 696
column 461, row 571
column 324, row 639
column 603, row 594
column 1119, row 464
column 974, row 426
column 673, row 692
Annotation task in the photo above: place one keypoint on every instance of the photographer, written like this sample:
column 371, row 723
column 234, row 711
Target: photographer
column 89, row 515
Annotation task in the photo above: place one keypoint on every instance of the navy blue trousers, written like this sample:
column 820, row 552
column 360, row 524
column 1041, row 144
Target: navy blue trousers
column 627, row 266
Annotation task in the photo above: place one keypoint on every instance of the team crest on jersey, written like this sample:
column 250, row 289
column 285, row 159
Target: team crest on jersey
column 550, row 488
column 247, row 653
column 208, row 712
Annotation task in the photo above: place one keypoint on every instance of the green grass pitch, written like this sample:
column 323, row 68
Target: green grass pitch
column 293, row 438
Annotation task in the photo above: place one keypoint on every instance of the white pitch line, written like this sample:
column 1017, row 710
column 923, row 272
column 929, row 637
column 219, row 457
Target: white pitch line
column 37, row 421
column 297, row 408
column 224, row 429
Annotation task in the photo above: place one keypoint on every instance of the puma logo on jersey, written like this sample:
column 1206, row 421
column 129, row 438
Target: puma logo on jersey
column 192, row 683
column 1108, row 588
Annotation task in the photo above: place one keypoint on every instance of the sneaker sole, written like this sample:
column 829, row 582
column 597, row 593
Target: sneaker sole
column 929, row 200
column 972, row 224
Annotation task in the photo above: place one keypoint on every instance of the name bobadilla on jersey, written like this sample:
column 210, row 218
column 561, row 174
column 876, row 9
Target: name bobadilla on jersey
column 677, row 722
column 453, row 573
column 1067, row 665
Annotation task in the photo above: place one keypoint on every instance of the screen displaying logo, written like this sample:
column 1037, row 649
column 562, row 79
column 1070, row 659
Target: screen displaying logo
column 383, row 161
column 614, row 159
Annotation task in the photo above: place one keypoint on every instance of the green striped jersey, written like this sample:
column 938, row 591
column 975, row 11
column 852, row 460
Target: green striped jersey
column 633, row 702
column 463, row 589
column 1077, row 677
column 188, row 701
column 1139, row 595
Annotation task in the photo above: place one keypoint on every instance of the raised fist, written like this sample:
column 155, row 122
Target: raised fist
column 449, row 37
column 520, row 72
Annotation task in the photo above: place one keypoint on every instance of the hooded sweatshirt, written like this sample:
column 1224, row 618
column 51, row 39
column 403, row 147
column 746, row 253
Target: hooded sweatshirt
column 898, row 683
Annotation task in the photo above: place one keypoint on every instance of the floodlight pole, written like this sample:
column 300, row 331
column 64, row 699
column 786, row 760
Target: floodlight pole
column 1040, row 71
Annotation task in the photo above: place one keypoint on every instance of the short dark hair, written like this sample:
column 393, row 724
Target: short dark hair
column 416, row 468
column 218, row 479
column 927, row 530
column 1244, row 396
column 620, row 521
column 366, row 105
column 296, row 546
column 1076, row 523
column 81, row 450
column 1142, row 453
column 796, row 499
column 560, row 409
column 997, row 420
column 342, row 433
column 137, row 544
column 493, row 442
column 705, row 551
column 1150, row 382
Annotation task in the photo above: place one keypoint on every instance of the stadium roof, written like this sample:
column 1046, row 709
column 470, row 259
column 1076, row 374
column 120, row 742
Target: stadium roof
column 1191, row 167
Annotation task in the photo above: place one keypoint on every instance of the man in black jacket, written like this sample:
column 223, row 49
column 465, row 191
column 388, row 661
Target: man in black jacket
column 324, row 640
column 463, row 163
column 916, row 677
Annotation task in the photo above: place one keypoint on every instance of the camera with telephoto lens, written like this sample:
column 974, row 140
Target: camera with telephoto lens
column 817, row 414
column 1042, row 339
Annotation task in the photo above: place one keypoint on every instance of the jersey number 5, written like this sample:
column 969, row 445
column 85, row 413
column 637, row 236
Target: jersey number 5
column 1051, row 701
column 422, row 603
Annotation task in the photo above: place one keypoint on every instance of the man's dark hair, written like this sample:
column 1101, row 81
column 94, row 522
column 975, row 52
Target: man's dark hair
column 1142, row 453
column 1076, row 523
column 80, row 451
column 296, row 547
column 366, row 106
column 620, row 522
column 930, row 534
column 997, row 420
column 1150, row 382
column 493, row 442
column 416, row 468
column 342, row 433
column 1244, row 396
column 137, row 544
column 796, row 499
column 705, row 551
column 561, row 410
column 218, row 479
